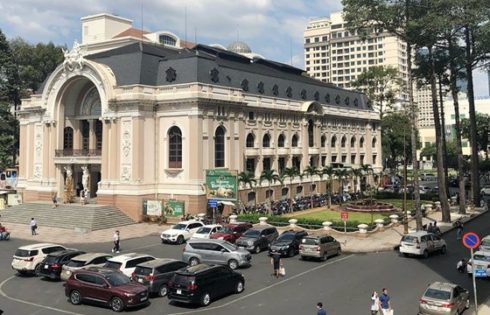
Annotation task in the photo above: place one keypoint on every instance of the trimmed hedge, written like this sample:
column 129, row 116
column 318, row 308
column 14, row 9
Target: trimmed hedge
column 389, row 195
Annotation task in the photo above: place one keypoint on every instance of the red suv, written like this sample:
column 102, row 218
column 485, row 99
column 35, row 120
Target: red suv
column 110, row 287
column 231, row 232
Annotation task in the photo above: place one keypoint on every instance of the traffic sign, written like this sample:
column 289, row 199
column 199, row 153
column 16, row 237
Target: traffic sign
column 471, row 240
column 212, row 203
column 344, row 215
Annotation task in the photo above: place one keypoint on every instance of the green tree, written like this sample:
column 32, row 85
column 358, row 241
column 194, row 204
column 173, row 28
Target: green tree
column 342, row 174
column 357, row 174
column 291, row 173
column 8, row 140
column 381, row 85
column 311, row 171
column 271, row 177
column 394, row 139
column 482, row 127
column 330, row 172
column 248, row 178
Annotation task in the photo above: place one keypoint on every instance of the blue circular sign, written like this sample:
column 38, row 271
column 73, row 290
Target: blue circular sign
column 471, row 240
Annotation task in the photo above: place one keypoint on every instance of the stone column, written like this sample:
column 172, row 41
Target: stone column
column 77, row 134
column 91, row 136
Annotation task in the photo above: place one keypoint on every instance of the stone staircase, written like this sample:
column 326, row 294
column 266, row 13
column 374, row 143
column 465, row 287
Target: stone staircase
column 90, row 217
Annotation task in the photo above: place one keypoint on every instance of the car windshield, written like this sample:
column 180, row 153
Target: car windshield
column 310, row 241
column 180, row 226
column 76, row 263
column 204, row 230
column 409, row 239
column 116, row 279
column 229, row 246
column 50, row 259
column 286, row 237
column 143, row 271
column 112, row 265
column 225, row 229
column 437, row 294
column 485, row 242
column 481, row 257
column 25, row 253
column 252, row 233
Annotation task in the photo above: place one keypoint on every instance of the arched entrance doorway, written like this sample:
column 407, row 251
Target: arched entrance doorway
column 79, row 148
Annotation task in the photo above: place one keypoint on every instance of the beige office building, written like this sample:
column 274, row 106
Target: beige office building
column 145, row 118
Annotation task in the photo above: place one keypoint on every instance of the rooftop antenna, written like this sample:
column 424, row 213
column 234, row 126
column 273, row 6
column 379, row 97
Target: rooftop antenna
column 141, row 12
column 291, row 51
column 237, row 34
column 195, row 35
column 185, row 26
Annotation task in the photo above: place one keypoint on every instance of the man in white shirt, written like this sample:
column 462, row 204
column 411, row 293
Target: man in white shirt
column 116, row 238
column 33, row 226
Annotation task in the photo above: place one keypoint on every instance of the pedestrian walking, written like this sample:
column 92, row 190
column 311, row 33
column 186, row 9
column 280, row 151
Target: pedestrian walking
column 276, row 263
column 33, row 226
column 462, row 265
column 320, row 309
column 385, row 303
column 459, row 229
column 374, row 303
column 55, row 200
column 117, row 239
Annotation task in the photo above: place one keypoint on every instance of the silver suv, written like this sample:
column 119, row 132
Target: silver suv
column 320, row 247
column 218, row 252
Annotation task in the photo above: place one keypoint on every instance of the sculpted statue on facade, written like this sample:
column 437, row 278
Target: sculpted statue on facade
column 73, row 58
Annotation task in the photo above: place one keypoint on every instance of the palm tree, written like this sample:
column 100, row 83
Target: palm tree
column 367, row 169
column 329, row 171
column 357, row 174
column 248, row 178
column 311, row 171
column 290, row 172
column 342, row 174
column 270, row 176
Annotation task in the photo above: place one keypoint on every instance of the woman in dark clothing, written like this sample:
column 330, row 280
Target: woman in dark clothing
column 276, row 263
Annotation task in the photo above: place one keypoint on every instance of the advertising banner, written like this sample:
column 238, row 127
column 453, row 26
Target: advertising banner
column 222, row 184
column 152, row 207
column 175, row 208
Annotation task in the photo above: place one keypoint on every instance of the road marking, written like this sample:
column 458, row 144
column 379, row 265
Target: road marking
column 31, row 303
column 263, row 289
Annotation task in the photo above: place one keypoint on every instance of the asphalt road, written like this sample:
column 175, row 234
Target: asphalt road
column 344, row 284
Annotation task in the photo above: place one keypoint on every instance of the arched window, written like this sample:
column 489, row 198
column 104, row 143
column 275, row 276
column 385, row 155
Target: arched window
column 311, row 137
column 323, row 141
column 284, row 192
column 98, row 134
column 342, row 142
column 219, row 147
column 294, row 141
column 280, row 141
column 68, row 138
column 174, row 148
column 250, row 140
column 251, row 197
column 266, row 141
column 269, row 193
column 333, row 143
column 353, row 142
column 361, row 142
column 374, row 142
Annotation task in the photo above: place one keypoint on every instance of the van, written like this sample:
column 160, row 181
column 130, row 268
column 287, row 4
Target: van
column 218, row 252
column 422, row 243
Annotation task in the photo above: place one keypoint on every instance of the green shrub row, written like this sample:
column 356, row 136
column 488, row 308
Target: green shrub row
column 389, row 195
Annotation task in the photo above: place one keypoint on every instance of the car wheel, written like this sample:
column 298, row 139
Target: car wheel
column 75, row 297
column 206, row 299
column 117, row 305
column 239, row 287
column 193, row 261
column 257, row 249
column 37, row 270
column 443, row 250
column 163, row 241
column 233, row 264
column 339, row 251
column 426, row 253
column 325, row 256
column 291, row 252
column 162, row 291
column 180, row 239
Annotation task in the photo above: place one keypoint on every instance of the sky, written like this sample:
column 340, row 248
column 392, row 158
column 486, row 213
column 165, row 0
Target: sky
column 272, row 28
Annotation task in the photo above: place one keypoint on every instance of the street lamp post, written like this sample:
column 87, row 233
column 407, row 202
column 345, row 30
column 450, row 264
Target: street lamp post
column 405, row 225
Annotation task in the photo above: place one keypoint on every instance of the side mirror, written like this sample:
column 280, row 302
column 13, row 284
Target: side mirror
column 105, row 286
column 223, row 250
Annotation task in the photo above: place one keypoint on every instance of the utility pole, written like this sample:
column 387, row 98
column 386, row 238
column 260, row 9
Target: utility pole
column 405, row 226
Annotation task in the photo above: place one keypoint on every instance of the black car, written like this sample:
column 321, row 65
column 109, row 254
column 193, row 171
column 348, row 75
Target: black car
column 155, row 274
column 52, row 264
column 200, row 284
column 288, row 243
column 257, row 238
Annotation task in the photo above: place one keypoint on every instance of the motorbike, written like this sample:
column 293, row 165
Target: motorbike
column 5, row 236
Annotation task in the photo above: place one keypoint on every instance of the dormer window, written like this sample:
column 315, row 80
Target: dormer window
column 167, row 40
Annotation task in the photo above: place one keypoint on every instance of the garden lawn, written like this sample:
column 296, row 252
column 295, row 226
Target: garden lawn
column 331, row 215
column 398, row 203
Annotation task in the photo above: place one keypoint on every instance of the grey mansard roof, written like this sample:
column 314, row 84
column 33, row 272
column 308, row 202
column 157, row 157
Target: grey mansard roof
column 155, row 65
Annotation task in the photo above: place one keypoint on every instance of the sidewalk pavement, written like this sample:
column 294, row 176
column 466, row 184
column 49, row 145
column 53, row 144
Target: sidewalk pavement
column 351, row 242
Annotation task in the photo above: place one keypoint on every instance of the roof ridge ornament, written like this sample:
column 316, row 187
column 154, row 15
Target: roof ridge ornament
column 74, row 59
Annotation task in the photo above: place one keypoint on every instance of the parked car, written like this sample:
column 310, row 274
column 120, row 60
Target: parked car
column 126, row 263
column 231, row 232
column 218, row 252
column 180, row 232
column 206, row 231
column 108, row 287
column 480, row 261
column 82, row 262
column 155, row 274
column 287, row 244
column 258, row 238
column 485, row 243
column 28, row 259
column 200, row 284
column 444, row 299
column 422, row 243
column 52, row 265
column 320, row 247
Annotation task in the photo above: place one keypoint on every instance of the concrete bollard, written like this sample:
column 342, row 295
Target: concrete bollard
column 428, row 208
column 363, row 228
column 263, row 220
column 292, row 223
column 394, row 218
column 200, row 216
column 437, row 205
column 327, row 225
column 233, row 218
column 380, row 224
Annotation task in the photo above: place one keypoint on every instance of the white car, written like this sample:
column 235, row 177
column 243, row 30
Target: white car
column 206, row 231
column 82, row 262
column 27, row 259
column 422, row 243
column 480, row 261
column 180, row 232
column 126, row 263
column 485, row 243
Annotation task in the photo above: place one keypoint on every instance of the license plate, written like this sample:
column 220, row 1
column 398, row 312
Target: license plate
column 46, row 266
column 143, row 298
column 179, row 291
column 140, row 280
